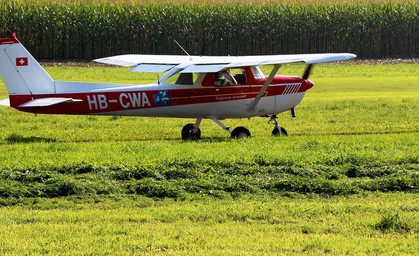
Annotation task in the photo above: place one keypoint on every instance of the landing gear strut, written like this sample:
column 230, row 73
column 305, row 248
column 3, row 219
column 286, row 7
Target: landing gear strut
column 278, row 130
column 237, row 133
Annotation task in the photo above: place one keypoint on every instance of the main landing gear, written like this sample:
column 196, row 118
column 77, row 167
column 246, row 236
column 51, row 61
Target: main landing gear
column 193, row 132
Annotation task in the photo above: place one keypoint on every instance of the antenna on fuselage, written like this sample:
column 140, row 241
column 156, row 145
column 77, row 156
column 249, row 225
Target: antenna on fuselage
column 190, row 58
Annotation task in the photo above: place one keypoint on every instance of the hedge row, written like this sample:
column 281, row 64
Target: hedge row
column 85, row 31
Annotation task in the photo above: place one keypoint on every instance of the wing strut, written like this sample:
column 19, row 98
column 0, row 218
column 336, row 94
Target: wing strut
column 264, row 87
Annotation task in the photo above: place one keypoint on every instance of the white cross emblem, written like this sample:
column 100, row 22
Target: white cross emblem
column 22, row 61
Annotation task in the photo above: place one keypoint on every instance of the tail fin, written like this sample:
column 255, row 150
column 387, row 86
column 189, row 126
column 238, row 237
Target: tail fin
column 21, row 73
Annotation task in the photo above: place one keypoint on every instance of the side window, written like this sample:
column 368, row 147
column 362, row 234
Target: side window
column 234, row 76
column 239, row 74
column 224, row 78
column 230, row 77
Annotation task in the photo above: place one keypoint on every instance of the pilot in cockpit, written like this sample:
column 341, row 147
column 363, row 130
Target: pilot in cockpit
column 223, row 78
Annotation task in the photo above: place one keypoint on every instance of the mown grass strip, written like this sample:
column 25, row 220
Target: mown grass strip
column 339, row 166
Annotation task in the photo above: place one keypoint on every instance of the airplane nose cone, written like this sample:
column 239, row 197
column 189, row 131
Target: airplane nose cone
column 309, row 84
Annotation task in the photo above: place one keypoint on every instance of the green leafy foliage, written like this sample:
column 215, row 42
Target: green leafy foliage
column 80, row 30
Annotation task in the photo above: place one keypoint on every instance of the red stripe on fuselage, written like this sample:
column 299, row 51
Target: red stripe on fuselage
column 127, row 100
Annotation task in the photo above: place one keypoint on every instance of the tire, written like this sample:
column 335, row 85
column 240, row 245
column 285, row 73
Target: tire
column 187, row 132
column 240, row 132
column 276, row 132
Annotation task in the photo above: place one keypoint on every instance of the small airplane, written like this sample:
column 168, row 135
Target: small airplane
column 199, row 87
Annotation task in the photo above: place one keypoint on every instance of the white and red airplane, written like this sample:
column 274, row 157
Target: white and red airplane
column 196, row 87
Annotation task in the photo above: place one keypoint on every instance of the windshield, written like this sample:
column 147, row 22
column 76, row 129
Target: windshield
column 171, row 72
column 257, row 73
column 175, row 77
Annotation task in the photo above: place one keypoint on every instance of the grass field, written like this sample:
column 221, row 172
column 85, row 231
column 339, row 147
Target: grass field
column 345, row 180
column 226, row 1
column 375, row 224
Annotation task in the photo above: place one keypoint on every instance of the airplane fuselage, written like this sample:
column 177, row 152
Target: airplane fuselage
column 168, row 100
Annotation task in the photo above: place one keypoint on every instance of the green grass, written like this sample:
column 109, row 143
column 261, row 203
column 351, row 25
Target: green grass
column 353, row 138
column 247, row 226
column 336, row 105
column 345, row 181
column 328, row 165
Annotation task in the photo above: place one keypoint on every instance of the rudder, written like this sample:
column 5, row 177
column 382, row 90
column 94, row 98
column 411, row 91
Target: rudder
column 21, row 73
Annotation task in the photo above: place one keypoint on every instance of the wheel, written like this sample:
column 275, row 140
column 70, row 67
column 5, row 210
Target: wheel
column 276, row 132
column 240, row 132
column 188, row 134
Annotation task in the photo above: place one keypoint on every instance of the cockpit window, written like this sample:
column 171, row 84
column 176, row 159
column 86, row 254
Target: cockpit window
column 239, row 74
column 257, row 73
column 223, row 78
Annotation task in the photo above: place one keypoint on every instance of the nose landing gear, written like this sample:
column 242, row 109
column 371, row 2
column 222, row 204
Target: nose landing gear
column 278, row 130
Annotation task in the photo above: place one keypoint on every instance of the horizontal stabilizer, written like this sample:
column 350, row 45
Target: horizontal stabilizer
column 45, row 102
column 5, row 102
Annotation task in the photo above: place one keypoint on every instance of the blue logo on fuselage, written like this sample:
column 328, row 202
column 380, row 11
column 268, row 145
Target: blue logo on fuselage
column 162, row 98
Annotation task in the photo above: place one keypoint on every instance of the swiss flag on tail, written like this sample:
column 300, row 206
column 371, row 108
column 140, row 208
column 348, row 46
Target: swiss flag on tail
column 21, row 62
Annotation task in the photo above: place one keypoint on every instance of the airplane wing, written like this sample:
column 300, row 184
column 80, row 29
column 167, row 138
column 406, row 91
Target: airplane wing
column 208, row 64
column 191, row 64
column 45, row 102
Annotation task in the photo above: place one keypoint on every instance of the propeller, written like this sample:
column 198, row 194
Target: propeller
column 305, row 77
column 307, row 72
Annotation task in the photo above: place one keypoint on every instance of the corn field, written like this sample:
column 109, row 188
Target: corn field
column 79, row 30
